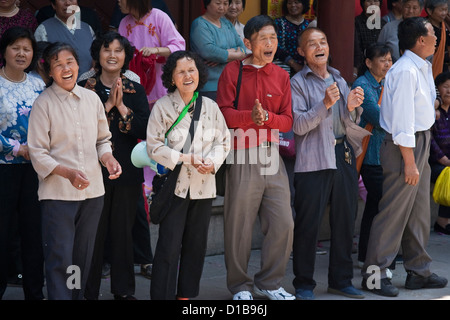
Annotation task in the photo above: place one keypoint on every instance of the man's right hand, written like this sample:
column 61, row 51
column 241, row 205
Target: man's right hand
column 332, row 95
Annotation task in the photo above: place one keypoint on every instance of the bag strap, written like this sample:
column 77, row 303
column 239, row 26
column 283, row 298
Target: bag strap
column 183, row 113
column 238, row 85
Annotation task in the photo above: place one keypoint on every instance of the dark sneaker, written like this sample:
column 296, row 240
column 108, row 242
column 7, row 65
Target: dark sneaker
column 127, row 297
column 386, row 289
column 350, row 292
column 415, row 281
column 146, row 270
column 437, row 228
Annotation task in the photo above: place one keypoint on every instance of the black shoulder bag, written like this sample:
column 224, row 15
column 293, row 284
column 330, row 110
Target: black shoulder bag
column 221, row 173
column 164, row 185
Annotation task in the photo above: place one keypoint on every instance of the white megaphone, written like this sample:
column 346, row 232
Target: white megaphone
column 140, row 159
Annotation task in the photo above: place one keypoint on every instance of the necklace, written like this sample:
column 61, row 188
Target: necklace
column 11, row 80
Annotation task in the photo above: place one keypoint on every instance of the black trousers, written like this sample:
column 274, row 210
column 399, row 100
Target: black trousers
column 373, row 181
column 313, row 192
column 181, row 249
column 117, row 218
column 19, row 200
column 141, row 234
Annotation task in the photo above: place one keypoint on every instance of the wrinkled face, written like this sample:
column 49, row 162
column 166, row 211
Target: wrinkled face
column 439, row 13
column 64, row 70
column 430, row 40
column 19, row 54
column 218, row 8
column 444, row 90
column 379, row 66
column 112, row 57
column 62, row 9
column 263, row 45
column 314, row 47
column 235, row 9
column 186, row 76
column 411, row 9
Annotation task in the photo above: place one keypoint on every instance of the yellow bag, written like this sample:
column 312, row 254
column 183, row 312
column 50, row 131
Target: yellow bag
column 441, row 191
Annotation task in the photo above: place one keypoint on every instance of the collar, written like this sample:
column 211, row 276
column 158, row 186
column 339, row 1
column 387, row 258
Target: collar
column 74, row 26
column 267, row 69
column 307, row 71
column 372, row 80
column 418, row 61
column 63, row 94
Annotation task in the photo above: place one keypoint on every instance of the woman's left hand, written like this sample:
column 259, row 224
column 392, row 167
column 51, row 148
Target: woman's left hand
column 206, row 167
column 147, row 51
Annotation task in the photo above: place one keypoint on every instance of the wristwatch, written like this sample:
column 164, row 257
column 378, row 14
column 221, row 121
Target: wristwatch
column 267, row 116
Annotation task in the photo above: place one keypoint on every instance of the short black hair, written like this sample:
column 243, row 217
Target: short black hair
column 255, row 24
column 409, row 31
column 390, row 2
column 13, row 34
column 441, row 78
column 207, row 2
column 52, row 51
column 103, row 41
column 361, row 2
column 306, row 6
column 171, row 64
column 373, row 51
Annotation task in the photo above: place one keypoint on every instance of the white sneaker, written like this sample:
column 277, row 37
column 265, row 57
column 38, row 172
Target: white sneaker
column 279, row 294
column 388, row 273
column 243, row 295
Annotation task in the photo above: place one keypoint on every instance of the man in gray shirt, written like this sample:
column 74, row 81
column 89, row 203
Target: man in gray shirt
column 410, row 8
column 328, row 139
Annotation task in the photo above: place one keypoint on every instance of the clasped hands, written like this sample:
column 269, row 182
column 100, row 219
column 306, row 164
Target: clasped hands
column 115, row 98
column 203, row 166
column 258, row 113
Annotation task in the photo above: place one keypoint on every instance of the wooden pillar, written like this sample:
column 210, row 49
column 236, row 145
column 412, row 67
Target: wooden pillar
column 337, row 19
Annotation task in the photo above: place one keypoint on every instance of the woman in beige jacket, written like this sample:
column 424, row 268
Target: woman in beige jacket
column 183, row 232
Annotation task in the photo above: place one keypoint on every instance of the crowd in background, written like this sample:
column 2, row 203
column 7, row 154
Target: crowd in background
column 76, row 99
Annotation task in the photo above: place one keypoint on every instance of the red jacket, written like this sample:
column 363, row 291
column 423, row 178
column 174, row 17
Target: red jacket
column 271, row 86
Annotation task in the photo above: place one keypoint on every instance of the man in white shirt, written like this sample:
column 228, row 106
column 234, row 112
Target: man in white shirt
column 407, row 114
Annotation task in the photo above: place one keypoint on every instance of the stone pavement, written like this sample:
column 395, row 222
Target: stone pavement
column 213, row 283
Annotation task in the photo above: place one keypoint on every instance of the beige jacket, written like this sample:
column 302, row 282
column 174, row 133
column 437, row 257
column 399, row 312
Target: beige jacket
column 211, row 140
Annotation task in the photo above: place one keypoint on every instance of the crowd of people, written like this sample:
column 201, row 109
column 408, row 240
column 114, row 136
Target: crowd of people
column 75, row 100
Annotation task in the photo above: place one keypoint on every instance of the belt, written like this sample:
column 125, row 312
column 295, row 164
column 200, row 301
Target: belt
column 339, row 140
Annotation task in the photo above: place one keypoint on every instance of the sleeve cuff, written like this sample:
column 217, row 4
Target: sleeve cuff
column 405, row 140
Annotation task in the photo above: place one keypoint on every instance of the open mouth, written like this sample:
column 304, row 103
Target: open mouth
column 113, row 62
column 268, row 54
column 67, row 76
column 320, row 55
column 188, row 83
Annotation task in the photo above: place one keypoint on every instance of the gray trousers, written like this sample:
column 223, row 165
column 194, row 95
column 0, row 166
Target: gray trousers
column 68, row 235
column 403, row 220
column 252, row 192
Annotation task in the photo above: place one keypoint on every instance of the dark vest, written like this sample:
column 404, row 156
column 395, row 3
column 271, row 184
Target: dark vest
column 81, row 40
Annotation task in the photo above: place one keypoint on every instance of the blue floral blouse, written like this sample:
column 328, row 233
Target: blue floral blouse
column 16, row 100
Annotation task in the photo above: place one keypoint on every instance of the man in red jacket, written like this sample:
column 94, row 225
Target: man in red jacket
column 257, row 182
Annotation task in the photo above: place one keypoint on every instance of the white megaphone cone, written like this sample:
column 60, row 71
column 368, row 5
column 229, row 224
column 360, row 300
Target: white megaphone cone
column 140, row 159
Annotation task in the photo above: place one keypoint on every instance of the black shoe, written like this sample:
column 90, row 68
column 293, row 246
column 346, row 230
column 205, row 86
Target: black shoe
column 119, row 297
column 15, row 281
column 439, row 229
column 106, row 270
column 415, row 281
column 386, row 289
column 146, row 270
